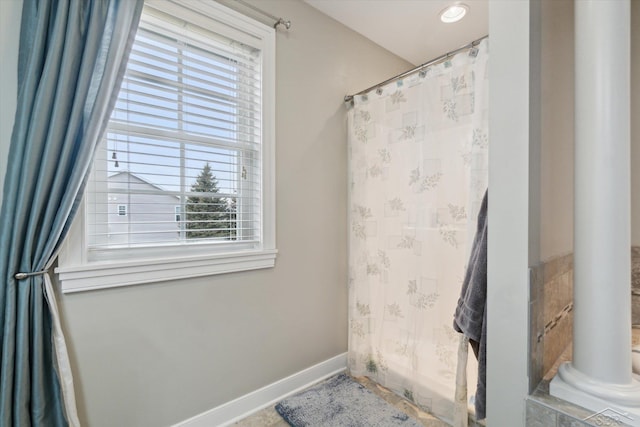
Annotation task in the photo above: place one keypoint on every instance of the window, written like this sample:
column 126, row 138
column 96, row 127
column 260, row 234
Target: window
column 189, row 149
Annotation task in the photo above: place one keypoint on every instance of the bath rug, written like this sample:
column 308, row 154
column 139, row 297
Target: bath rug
column 341, row 402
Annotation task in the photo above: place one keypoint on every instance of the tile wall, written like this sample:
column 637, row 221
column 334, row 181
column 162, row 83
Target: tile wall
column 551, row 314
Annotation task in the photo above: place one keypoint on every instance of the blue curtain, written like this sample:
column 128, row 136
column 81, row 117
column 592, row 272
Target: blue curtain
column 71, row 60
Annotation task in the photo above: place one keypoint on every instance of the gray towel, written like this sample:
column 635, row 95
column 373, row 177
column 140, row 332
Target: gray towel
column 470, row 317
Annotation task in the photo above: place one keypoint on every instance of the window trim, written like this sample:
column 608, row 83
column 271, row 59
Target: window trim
column 76, row 273
column 112, row 274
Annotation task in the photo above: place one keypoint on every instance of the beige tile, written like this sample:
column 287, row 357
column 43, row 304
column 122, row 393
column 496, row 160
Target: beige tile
column 536, row 345
column 557, row 266
column 566, row 289
column 535, row 290
column 556, row 324
column 635, row 267
column 551, row 301
column 558, row 288
column 556, row 342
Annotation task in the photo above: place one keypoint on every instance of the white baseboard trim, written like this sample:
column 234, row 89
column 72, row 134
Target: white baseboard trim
column 237, row 409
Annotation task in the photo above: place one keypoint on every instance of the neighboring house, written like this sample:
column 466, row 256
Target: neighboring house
column 140, row 212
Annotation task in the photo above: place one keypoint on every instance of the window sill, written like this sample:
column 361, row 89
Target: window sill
column 114, row 274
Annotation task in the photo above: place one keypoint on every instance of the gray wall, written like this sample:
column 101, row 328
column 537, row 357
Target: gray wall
column 556, row 178
column 157, row 354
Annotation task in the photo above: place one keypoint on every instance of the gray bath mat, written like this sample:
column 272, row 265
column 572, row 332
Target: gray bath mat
column 341, row 402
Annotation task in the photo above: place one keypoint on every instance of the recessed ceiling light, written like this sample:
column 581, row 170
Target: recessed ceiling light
column 454, row 13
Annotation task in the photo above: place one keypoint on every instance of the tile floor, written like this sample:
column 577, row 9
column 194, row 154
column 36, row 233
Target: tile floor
column 268, row 417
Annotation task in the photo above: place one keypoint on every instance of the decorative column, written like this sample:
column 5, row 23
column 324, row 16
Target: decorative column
column 599, row 378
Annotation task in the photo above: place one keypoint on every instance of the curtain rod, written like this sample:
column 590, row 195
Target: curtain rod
column 473, row 44
column 279, row 21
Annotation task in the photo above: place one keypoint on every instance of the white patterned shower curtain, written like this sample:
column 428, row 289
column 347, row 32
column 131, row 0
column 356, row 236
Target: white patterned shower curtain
column 418, row 157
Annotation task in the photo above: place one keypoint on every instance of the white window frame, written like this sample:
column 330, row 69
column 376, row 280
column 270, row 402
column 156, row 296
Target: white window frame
column 122, row 210
column 78, row 273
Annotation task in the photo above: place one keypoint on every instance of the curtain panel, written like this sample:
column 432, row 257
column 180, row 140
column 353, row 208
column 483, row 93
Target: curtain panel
column 418, row 163
column 71, row 61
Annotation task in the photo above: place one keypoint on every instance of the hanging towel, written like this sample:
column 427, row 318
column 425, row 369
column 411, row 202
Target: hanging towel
column 470, row 317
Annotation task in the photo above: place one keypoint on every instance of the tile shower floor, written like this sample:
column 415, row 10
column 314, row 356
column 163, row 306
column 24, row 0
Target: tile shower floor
column 268, row 417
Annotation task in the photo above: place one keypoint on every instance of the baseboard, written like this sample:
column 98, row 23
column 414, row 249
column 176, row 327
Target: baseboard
column 246, row 405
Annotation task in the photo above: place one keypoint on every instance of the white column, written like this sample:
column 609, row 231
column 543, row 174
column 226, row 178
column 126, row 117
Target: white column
column 599, row 378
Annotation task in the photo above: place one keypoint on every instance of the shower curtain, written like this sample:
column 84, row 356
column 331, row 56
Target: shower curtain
column 418, row 157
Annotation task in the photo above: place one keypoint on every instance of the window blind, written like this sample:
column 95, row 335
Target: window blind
column 182, row 149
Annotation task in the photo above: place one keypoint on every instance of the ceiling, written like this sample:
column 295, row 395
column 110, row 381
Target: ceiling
column 409, row 28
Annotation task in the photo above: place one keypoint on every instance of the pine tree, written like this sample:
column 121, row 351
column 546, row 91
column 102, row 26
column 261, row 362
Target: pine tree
column 208, row 215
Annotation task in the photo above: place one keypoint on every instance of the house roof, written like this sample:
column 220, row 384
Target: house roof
column 140, row 179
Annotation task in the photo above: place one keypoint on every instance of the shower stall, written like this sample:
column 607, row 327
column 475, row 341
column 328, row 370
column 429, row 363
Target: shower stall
column 418, row 168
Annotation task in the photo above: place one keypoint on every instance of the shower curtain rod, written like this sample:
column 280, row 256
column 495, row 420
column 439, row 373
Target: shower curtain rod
column 349, row 98
column 279, row 21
